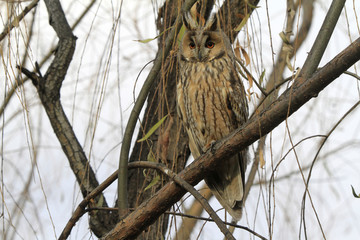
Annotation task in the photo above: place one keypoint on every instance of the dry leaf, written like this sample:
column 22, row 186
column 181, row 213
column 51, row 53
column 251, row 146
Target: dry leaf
column 250, row 79
column 246, row 56
column 243, row 22
column 237, row 49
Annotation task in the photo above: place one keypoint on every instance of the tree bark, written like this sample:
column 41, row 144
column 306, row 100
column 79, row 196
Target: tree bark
column 169, row 143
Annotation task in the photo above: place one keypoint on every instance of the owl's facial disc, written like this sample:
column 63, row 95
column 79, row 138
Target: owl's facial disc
column 201, row 46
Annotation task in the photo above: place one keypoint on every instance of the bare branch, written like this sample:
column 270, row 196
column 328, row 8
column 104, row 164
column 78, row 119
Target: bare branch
column 322, row 39
column 48, row 88
column 80, row 210
column 8, row 27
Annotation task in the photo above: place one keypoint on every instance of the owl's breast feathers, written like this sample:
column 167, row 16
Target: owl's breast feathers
column 211, row 101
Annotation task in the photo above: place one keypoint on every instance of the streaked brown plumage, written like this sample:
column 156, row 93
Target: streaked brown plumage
column 212, row 103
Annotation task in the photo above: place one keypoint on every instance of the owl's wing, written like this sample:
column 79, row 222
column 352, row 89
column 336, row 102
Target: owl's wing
column 194, row 148
column 237, row 102
column 228, row 182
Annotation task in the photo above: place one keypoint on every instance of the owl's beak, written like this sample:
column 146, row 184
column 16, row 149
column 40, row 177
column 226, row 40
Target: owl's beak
column 199, row 55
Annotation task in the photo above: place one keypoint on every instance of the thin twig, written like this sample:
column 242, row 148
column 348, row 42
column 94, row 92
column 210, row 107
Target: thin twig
column 275, row 89
column 17, row 19
column 249, row 73
column 316, row 157
column 272, row 177
column 352, row 74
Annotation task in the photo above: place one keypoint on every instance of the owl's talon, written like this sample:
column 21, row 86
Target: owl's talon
column 212, row 146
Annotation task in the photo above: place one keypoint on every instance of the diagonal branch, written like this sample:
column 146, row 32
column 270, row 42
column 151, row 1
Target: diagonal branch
column 8, row 27
column 313, row 59
column 189, row 188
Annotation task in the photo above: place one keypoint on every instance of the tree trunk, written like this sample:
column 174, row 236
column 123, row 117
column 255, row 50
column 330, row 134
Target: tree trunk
column 169, row 143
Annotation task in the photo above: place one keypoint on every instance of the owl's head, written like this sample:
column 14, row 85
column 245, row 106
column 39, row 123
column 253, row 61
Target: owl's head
column 202, row 43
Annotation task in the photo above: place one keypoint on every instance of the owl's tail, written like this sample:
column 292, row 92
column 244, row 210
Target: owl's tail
column 227, row 183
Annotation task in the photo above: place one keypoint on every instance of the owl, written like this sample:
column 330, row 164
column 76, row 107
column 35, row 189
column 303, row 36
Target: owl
column 211, row 102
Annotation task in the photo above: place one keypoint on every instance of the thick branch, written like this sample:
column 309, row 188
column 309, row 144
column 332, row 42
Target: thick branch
column 262, row 123
column 48, row 88
column 322, row 39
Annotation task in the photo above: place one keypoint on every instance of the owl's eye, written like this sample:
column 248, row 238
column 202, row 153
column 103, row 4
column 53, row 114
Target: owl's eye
column 209, row 44
column 192, row 45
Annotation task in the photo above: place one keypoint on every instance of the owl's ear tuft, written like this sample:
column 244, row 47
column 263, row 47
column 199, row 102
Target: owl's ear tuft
column 189, row 22
column 211, row 24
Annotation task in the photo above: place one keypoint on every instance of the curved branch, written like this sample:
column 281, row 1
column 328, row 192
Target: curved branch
column 125, row 146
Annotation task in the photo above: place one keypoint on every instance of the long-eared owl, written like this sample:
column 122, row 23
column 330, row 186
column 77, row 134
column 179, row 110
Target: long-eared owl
column 211, row 103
